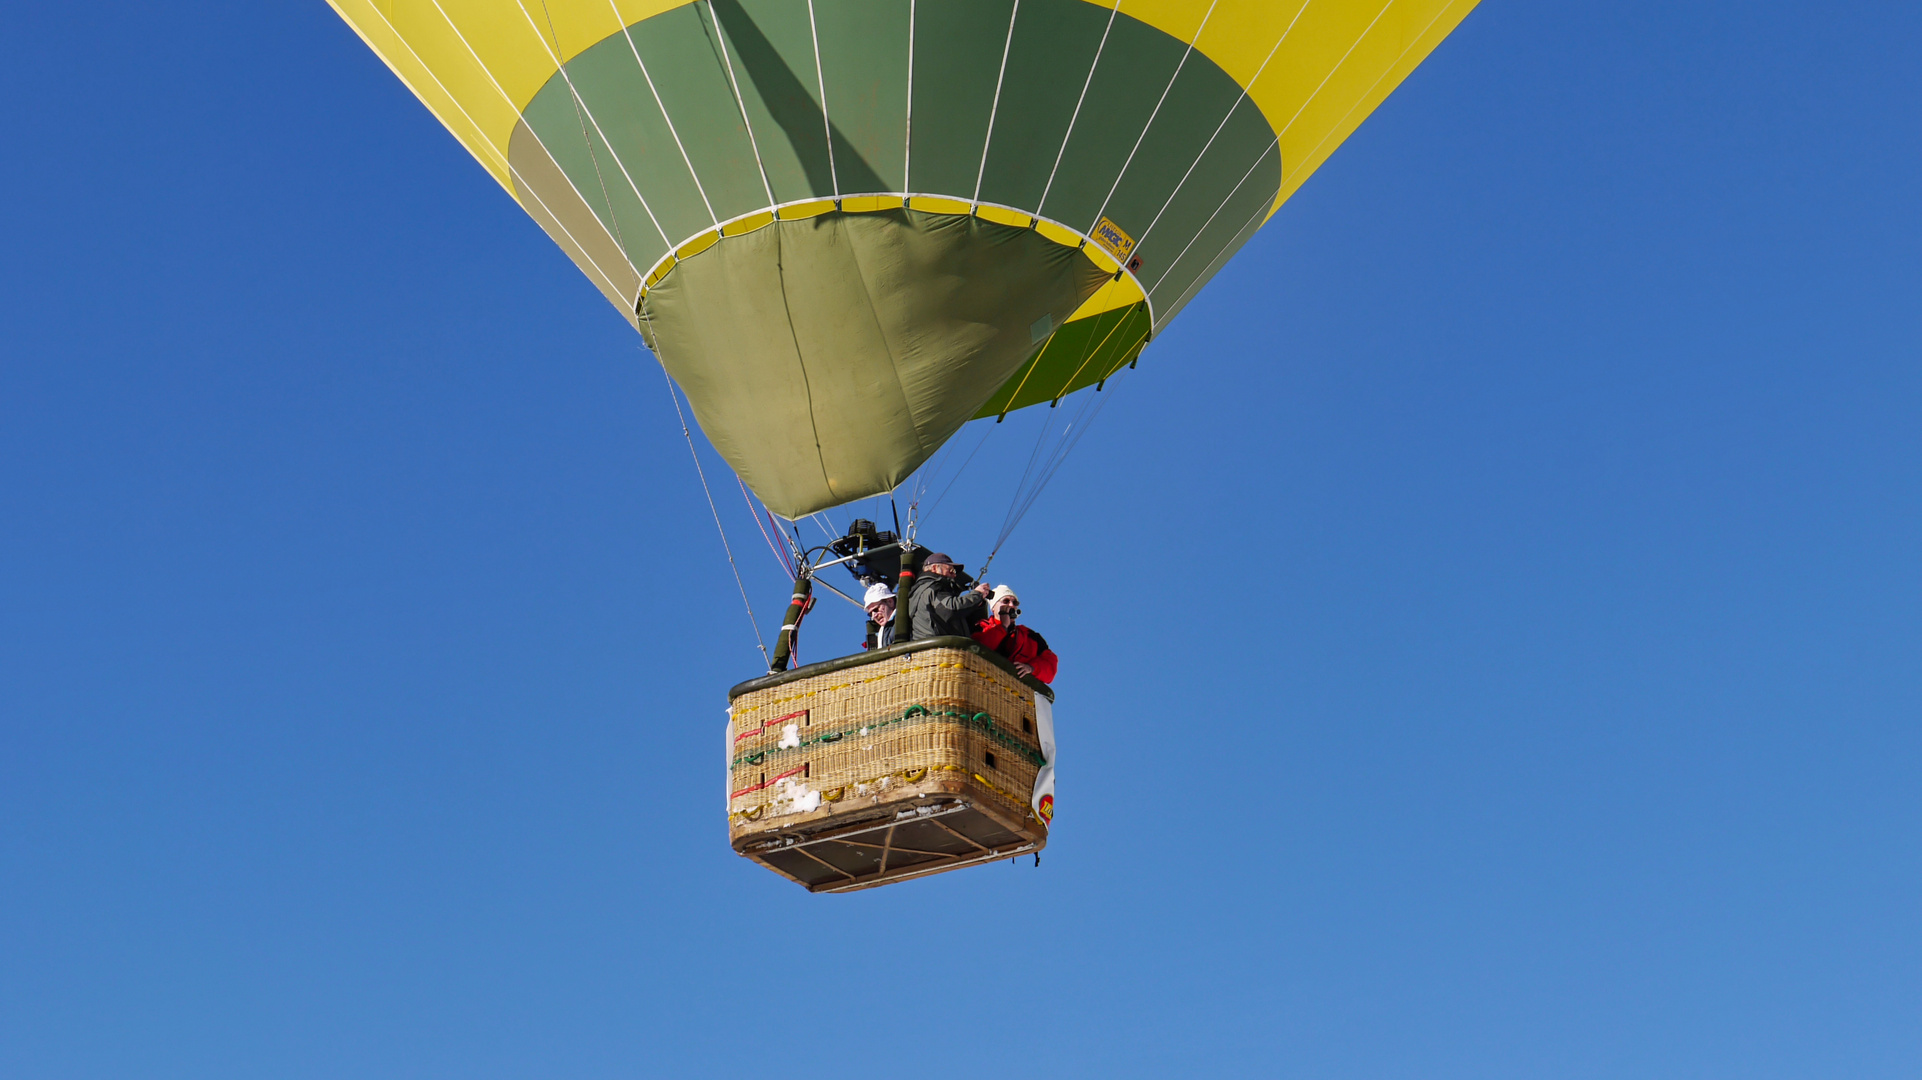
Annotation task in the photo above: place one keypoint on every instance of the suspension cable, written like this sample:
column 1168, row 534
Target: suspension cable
column 1009, row 519
column 1040, row 440
column 756, row 516
column 794, row 546
column 930, row 471
column 986, row 430
column 753, row 621
column 1070, row 437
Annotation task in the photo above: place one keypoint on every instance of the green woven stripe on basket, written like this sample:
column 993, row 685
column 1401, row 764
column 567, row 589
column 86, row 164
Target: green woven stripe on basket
column 978, row 721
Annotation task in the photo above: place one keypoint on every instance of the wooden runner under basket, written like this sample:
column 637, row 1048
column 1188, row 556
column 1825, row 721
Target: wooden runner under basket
column 889, row 765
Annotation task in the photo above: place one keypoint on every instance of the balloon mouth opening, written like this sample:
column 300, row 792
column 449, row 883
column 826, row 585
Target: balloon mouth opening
column 1108, row 247
column 828, row 348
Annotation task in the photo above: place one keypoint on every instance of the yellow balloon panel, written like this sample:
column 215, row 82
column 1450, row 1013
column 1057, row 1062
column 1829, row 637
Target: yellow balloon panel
column 1316, row 68
column 477, row 63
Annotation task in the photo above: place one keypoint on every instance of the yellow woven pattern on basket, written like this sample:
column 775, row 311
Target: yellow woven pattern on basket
column 920, row 713
column 906, row 776
column 856, row 682
column 998, row 790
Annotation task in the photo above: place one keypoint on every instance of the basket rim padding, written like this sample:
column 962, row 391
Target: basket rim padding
column 860, row 659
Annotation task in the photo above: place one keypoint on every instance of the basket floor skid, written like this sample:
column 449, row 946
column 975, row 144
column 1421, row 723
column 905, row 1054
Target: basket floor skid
column 929, row 835
column 894, row 765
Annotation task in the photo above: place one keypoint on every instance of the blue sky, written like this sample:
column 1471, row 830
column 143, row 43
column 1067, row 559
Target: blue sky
column 1489, row 615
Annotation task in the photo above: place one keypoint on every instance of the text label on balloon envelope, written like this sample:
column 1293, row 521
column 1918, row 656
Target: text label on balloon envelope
column 1118, row 243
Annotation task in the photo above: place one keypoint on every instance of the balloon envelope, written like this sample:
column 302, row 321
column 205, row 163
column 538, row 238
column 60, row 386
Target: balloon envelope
column 846, row 227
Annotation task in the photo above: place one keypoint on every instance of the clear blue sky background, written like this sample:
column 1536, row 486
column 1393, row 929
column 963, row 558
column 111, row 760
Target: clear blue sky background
column 1490, row 613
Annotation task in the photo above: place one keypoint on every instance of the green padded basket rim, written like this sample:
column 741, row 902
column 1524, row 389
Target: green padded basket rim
column 843, row 663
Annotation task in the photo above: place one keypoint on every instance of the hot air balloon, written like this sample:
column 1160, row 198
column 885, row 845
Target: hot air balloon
column 847, row 227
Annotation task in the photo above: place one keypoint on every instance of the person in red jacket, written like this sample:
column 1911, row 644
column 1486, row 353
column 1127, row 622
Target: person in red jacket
column 1024, row 648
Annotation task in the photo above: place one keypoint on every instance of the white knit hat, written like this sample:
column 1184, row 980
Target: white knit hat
column 1001, row 591
column 877, row 592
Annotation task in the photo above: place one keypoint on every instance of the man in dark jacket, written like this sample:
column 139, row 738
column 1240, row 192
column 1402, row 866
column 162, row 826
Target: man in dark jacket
column 939, row 606
column 1025, row 649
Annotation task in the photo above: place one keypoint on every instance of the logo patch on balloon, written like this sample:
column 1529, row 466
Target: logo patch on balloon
column 1118, row 243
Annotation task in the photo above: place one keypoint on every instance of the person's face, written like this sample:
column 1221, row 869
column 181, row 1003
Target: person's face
column 945, row 569
column 1005, row 608
column 882, row 611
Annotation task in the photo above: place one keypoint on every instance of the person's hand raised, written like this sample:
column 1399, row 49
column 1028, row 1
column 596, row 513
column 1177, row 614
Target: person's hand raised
column 984, row 590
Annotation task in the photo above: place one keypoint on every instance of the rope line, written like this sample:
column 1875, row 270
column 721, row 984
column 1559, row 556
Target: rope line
column 821, row 83
column 606, row 199
column 581, row 110
column 720, row 41
column 1034, row 455
column 907, row 120
column 1145, row 128
column 1020, row 503
column 1080, row 428
column 628, row 33
column 994, row 108
column 1078, row 102
column 925, row 477
column 753, row 621
column 756, row 516
column 482, row 65
column 1245, row 91
column 793, row 553
column 986, row 430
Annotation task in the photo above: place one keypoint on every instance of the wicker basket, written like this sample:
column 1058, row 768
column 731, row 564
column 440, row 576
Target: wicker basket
column 889, row 765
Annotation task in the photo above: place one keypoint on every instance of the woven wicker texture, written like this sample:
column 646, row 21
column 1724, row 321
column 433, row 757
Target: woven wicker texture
column 812, row 750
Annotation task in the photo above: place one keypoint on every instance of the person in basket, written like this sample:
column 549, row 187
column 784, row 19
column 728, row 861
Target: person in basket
column 1025, row 649
column 941, row 604
column 880, row 604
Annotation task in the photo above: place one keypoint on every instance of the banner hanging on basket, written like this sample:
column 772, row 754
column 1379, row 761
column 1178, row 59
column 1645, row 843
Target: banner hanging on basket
column 1043, row 798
